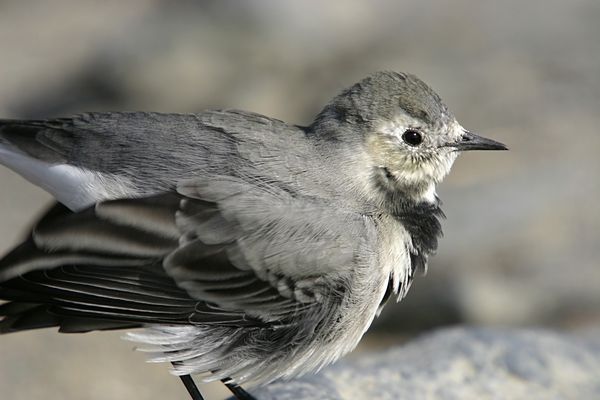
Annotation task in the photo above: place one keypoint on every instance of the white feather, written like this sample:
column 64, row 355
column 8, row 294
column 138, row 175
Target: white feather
column 75, row 187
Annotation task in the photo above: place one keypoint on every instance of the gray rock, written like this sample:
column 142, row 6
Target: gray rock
column 461, row 364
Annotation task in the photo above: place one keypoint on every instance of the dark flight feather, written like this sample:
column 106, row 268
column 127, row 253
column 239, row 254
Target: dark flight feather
column 120, row 263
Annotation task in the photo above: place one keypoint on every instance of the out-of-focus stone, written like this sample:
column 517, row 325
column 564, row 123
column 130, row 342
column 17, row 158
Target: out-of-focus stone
column 465, row 364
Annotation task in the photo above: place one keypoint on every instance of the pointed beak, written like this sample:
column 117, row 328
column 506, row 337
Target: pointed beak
column 471, row 141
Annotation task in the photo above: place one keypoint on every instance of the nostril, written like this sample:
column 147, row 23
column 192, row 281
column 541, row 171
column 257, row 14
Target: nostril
column 466, row 138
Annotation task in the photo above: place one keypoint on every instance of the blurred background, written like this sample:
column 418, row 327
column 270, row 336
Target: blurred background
column 522, row 237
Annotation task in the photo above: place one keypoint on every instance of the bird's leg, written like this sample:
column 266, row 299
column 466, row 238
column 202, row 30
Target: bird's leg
column 238, row 391
column 189, row 384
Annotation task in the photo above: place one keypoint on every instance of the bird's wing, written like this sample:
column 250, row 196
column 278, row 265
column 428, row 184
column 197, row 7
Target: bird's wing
column 99, row 156
column 301, row 249
column 220, row 251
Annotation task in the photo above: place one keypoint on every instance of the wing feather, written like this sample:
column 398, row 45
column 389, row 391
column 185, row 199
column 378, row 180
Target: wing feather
column 221, row 251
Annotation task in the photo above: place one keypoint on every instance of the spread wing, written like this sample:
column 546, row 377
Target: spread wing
column 221, row 250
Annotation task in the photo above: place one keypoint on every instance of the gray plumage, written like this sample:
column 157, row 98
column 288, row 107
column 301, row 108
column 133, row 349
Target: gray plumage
column 245, row 246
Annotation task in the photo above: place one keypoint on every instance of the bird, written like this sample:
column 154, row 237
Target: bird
column 235, row 246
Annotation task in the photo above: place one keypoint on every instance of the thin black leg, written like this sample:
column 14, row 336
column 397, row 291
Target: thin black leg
column 238, row 391
column 189, row 384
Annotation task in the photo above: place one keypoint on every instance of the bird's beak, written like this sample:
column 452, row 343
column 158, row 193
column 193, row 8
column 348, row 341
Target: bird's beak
column 471, row 141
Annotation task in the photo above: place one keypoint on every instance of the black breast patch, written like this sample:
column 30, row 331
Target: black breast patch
column 420, row 219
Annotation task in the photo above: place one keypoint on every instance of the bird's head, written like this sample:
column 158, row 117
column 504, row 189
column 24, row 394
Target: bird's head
column 409, row 134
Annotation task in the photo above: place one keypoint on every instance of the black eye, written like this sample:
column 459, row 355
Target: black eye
column 412, row 137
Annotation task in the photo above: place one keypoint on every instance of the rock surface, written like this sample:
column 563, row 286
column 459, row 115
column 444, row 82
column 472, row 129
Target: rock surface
column 461, row 364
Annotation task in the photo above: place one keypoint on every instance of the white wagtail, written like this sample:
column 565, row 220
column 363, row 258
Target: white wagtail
column 247, row 248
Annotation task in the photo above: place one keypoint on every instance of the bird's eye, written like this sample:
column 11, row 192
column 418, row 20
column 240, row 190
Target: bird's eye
column 412, row 137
